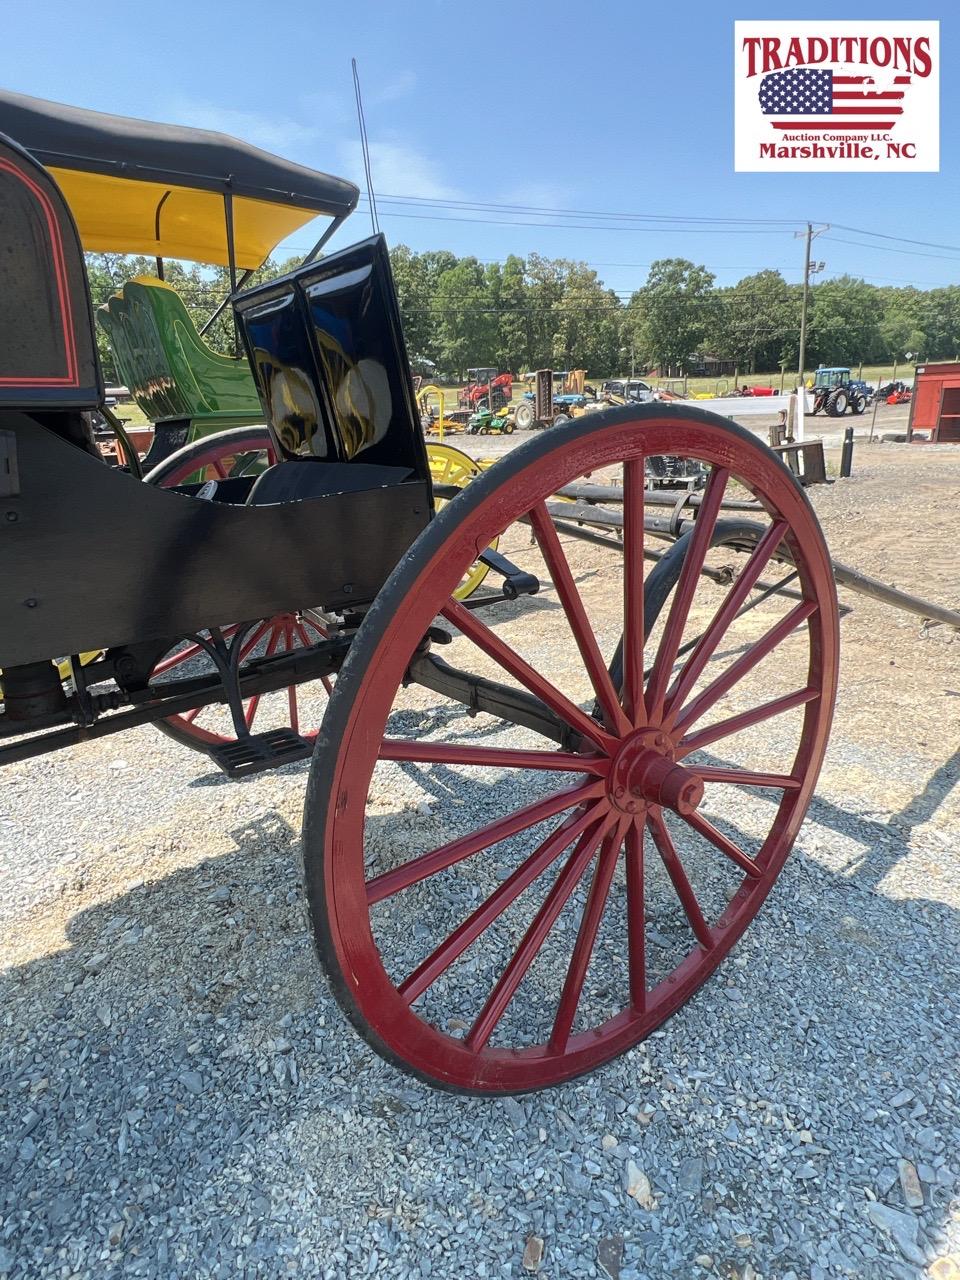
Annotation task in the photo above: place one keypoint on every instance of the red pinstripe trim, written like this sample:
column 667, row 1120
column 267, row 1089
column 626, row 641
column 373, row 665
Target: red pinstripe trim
column 63, row 291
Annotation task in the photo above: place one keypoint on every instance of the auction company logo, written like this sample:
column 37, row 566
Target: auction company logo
column 837, row 96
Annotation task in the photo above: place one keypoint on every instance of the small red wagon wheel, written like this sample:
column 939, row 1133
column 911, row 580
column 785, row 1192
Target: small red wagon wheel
column 564, row 898
column 244, row 451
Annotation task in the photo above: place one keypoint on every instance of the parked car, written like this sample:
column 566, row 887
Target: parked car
column 628, row 389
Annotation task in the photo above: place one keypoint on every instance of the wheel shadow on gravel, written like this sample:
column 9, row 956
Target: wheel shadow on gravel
column 885, row 844
column 179, row 1094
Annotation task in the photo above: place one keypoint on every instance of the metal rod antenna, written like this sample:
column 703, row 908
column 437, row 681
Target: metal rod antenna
column 374, row 220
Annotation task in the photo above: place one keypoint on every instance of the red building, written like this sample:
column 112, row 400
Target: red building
column 935, row 406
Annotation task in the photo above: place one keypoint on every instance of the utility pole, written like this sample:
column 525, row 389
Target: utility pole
column 809, row 269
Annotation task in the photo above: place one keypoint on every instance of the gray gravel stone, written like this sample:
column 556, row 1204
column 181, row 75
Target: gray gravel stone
column 192, row 1081
column 901, row 1227
column 691, row 1173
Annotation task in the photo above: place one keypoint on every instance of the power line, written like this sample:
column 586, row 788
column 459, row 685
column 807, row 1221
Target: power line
column 883, row 248
column 441, row 203
column 588, row 226
column 927, row 244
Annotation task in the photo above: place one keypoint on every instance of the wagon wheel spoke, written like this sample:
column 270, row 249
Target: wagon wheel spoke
column 686, row 587
column 704, row 649
column 495, row 648
column 252, row 641
column 636, row 919
column 250, row 714
column 496, row 757
column 304, row 638
column 723, row 843
column 740, row 668
column 681, row 883
column 546, row 535
column 506, row 985
column 593, row 910
column 746, row 720
column 219, row 469
column 439, row 960
column 292, row 703
column 307, row 620
column 448, row 855
column 633, row 624
column 746, row 778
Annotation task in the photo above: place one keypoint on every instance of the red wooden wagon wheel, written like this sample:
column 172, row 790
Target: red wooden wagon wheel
column 241, row 452
column 566, row 899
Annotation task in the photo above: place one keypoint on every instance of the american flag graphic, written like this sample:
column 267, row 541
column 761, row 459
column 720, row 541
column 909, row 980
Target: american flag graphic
column 849, row 102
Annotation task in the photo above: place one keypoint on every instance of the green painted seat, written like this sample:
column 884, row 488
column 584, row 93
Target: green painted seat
column 170, row 371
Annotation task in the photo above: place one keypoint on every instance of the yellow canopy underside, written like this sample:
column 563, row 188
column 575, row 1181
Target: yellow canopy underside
column 120, row 215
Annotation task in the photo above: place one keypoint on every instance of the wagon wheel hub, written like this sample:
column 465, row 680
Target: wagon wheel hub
column 644, row 772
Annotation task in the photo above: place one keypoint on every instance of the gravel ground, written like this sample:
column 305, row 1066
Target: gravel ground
column 181, row 1097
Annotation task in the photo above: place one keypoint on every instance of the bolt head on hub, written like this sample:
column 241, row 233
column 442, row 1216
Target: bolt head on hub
column 644, row 772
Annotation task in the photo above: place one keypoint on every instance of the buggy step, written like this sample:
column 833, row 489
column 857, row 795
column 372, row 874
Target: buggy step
column 260, row 751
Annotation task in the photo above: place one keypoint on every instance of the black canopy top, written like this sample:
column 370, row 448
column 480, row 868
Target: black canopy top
column 65, row 137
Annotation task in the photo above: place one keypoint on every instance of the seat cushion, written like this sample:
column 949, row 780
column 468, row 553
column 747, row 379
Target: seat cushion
column 296, row 480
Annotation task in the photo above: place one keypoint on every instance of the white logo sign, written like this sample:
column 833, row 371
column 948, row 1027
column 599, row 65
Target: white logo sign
column 837, row 96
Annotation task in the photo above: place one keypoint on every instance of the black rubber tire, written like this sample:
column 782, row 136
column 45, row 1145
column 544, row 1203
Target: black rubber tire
column 858, row 404
column 173, row 462
column 838, row 402
column 524, row 415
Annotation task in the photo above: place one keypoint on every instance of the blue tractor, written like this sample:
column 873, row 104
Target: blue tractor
column 834, row 391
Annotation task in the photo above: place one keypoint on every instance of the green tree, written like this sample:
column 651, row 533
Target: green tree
column 673, row 311
column 752, row 320
column 414, row 287
column 545, row 284
column 843, row 322
column 513, row 319
column 587, row 319
column 940, row 322
column 466, row 326
column 900, row 326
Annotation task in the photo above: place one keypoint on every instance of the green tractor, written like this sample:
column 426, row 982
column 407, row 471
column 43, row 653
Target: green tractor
column 834, row 391
column 485, row 423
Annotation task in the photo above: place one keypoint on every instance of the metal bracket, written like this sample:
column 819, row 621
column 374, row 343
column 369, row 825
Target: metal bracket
column 516, row 581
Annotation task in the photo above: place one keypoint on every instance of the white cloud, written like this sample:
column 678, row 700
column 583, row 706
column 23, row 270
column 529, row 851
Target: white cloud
column 403, row 83
column 283, row 135
column 398, row 168
column 539, row 195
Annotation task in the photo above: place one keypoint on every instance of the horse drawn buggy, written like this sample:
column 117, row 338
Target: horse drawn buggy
column 539, row 813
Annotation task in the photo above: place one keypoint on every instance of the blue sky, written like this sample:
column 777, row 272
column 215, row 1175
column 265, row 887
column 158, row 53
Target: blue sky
column 616, row 107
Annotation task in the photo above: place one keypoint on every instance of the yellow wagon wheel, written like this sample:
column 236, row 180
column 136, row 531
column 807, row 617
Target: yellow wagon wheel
column 453, row 466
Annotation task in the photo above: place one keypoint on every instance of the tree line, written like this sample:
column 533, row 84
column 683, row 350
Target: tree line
column 536, row 312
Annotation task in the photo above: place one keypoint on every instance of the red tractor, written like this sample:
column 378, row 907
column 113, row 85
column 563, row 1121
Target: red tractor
column 483, row 384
